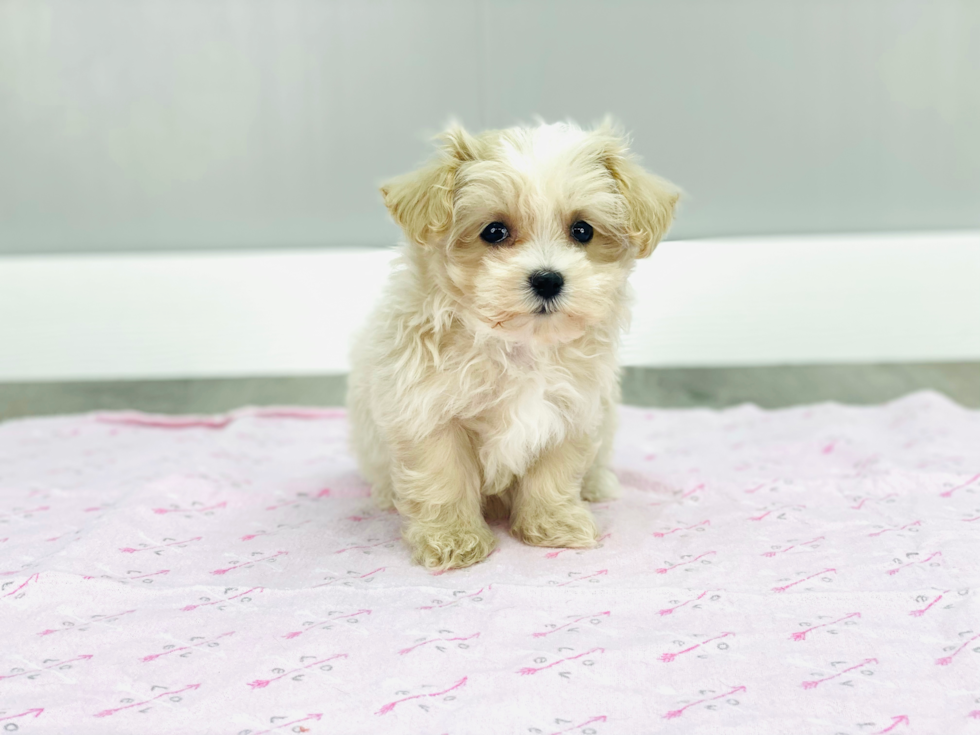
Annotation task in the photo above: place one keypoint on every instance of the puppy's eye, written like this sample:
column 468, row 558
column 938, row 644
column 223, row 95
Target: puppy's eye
column 495, row 232
column 582, row 231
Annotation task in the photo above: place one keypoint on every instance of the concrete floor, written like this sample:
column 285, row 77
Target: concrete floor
column 769, row 387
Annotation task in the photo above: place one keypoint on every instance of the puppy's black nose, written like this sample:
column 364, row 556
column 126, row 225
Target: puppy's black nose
column 546, row 284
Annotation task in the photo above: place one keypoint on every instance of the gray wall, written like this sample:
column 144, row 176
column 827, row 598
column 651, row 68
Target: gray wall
column 167, row 124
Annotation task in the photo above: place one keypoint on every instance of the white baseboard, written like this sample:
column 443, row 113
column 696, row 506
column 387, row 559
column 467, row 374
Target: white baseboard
column 758, row 301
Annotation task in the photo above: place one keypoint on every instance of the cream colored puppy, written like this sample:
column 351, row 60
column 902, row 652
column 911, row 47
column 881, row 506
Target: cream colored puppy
column 485, row 384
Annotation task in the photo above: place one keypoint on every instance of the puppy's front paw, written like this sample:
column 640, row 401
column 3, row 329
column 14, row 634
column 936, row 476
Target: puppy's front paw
column 451, row 547
column 563, row 526
column 600, row 484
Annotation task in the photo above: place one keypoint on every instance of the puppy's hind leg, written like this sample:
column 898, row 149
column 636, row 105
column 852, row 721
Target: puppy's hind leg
column 600, row 483
column 437, row 488
column 370, row 447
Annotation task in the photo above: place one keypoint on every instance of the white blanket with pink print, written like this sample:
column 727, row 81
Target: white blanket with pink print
column 812, row 570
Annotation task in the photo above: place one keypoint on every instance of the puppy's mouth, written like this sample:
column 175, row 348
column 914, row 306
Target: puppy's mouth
column 540, row 312
column 545, row 308
column 506, row 321
column 550, row 309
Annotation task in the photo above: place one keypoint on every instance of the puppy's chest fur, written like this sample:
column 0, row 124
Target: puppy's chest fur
column 536, row 401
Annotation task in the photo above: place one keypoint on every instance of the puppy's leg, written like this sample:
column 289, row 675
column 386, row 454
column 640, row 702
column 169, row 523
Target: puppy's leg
column 600, row 482
column 368, row 444
column 375, row 464
column 548, row 509
column 437, row 489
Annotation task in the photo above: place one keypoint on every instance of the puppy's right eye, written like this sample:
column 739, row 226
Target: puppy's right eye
column 494, row 233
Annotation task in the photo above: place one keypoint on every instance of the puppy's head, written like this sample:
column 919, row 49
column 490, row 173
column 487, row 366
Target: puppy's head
column 532, row 231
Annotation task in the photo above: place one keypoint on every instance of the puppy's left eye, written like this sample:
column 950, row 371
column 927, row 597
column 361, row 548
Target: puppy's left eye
column 495, row 232
column 582, row 231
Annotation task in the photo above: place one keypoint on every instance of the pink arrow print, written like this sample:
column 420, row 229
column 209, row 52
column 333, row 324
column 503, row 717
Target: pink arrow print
column 800, row 635
column 901, row 528
column 675, row 713
column 164, row 511
column 664, row 570
column 283, row 527
column 300, row 498
column 658, row 534
column 367, row 546
column 155, row 656
column 581, row 725
column 285, row 504
column 338, row 579
column 949, row 493
column 249, row 563
column 929, row 558
column 297, row 633
column 600, row 573
column 101, row 619
column 263, row 683
column 776, row 510
column 670, row 610
column 771, row 554
column 947, row 660
column 437, row 640
column 314, row 716
column 369, row 517
column 128, row 550
column 188, row 608
column 923, row 611
column 55, row 538
column 801, row 581
column 814, row 684
column 107, row 712
column 83, row 657
column 527, row 670
column 693, row 490
column 151, row 574
column 457, row 600
column 896, row 721
column 36, row 712
column 25, row 512
column 668, row 657
column 32, row 578
column 391, row 705
column 607, row 613
column 873, row 500
column 138, row 576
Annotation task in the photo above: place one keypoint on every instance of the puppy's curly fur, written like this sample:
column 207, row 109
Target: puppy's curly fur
column 474, row 395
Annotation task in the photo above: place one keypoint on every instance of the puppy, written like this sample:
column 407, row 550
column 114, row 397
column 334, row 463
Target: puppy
column 485, row 385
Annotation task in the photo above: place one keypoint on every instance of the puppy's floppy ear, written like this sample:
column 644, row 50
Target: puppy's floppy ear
column 650, row 200
column 421, row 202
